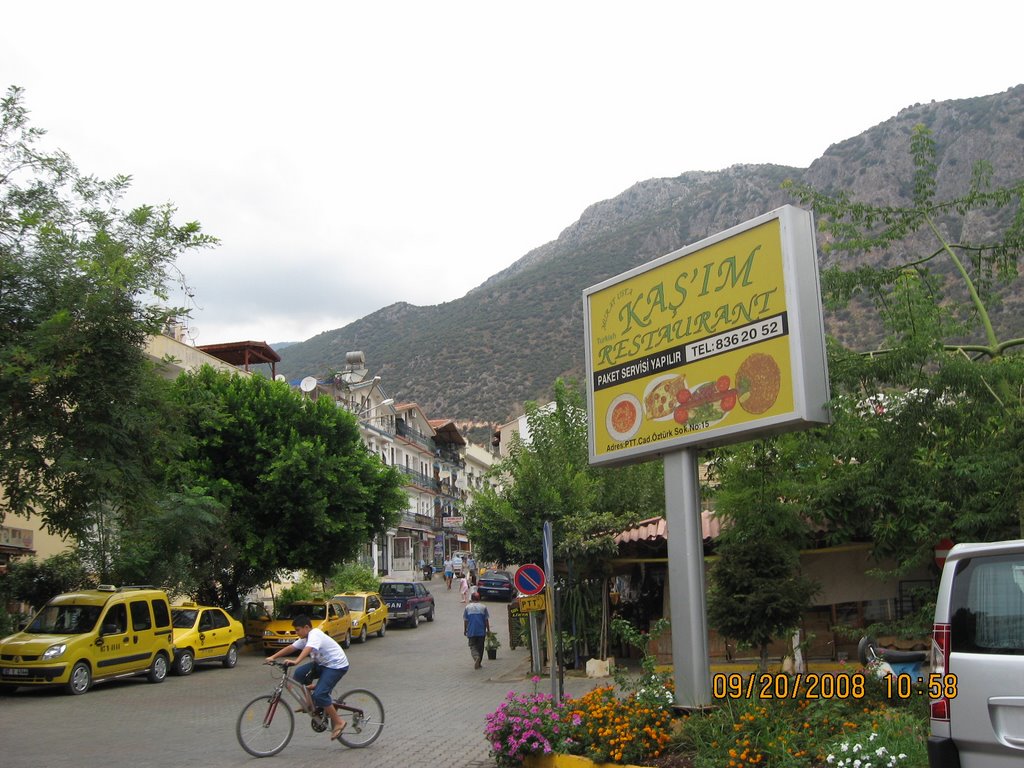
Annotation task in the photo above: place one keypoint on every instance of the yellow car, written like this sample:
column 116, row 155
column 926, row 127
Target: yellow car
column 83, row 637
column 331, row 616
column 368, row 612
column 203, row 633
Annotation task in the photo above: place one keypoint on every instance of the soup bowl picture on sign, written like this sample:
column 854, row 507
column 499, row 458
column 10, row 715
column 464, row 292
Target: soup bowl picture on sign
column 623, row 418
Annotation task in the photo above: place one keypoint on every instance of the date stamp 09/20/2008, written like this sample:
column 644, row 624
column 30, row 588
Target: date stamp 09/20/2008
column 810, row 685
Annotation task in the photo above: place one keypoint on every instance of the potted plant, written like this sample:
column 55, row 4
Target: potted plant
column 491, row 645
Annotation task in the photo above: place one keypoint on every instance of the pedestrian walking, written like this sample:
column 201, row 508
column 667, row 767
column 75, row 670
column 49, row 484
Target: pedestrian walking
column 448, row 573
column 477, row 623
column 471, row 564
column 464, row 587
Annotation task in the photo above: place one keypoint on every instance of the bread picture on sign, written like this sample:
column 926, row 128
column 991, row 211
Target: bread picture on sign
column 758, row 380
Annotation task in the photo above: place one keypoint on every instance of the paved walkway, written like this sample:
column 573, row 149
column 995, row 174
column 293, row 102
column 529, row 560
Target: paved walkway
column 435, row 704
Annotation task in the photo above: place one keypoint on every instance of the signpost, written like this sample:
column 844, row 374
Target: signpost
column 716, row 343
column 532, row 603
column 529, row 579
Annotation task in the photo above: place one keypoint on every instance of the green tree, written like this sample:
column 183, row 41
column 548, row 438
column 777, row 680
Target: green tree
column 288, row 478
column 35, row 581
column 928, row 434
column 83, row 421
column 549, row 478
column 756, row 591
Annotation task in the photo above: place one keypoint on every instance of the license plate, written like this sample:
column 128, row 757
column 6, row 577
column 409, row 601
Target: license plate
column 284, row 642
column 17, row 672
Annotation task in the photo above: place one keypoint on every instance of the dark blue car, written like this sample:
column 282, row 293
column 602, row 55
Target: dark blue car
column 497, row 585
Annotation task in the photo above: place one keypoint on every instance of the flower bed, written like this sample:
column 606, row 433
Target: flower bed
column 638, row 728
column 598, row 725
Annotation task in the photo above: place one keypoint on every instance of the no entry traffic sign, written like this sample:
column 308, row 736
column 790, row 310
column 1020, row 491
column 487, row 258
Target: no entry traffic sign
column 529, row 579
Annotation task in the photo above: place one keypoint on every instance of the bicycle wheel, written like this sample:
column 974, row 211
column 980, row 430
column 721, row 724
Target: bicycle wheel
column 363, row 715
column 265, row 726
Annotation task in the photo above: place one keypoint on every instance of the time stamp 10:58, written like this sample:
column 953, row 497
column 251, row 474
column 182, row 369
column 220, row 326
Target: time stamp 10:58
column 811, row 685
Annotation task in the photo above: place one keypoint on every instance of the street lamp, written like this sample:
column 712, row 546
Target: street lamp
column 382, row 404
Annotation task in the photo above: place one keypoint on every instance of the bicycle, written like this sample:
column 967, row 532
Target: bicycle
column 266, row 724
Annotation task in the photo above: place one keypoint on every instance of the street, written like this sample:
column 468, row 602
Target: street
column 434, row 703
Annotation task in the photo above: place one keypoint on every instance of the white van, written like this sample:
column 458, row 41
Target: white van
column 978, row 648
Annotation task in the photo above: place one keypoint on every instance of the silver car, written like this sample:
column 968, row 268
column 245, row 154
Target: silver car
column 978, row 656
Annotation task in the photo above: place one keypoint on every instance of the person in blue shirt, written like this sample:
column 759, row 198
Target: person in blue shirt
column 477, row 623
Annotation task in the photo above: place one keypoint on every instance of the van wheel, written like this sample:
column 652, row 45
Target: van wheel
column 158, row 672
column 80, row 679
column 232, row 658
column 185, row 663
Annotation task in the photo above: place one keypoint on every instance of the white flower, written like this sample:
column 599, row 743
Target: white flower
column 856, row 764
column 881, row 751
column 873, row 736
column 857, row 747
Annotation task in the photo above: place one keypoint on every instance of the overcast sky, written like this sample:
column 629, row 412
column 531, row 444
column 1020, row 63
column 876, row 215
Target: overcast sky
column 352, row 155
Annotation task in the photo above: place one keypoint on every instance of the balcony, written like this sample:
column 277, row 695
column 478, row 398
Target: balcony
column 415, row 436
column 418, row 478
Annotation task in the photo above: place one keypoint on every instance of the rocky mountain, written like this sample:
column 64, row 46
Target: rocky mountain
column 476, row 359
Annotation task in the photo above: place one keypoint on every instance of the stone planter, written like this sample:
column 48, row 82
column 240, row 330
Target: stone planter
column 567, row 761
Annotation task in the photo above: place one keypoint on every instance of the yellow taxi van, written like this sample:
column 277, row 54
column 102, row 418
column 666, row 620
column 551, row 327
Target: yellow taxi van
column 85, row 637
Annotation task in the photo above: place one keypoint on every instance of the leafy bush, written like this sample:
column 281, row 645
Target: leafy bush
column 353, row 577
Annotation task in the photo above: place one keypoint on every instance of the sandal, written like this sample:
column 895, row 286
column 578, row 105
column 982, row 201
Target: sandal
column 337, row 731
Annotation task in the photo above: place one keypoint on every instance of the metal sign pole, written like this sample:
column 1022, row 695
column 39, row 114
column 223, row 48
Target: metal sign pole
column 690, row 661
column 552, row 616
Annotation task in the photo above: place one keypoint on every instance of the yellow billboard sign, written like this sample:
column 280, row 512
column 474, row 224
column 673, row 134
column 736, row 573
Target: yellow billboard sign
column 709, row 343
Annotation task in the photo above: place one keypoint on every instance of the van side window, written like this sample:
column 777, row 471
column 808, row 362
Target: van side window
column 140, row 615
column 987, row 606
column 161, row 614
column 116, row 620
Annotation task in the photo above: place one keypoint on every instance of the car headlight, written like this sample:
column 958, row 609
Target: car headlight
column 267, row 632
column 54, row 651
column 355, row 622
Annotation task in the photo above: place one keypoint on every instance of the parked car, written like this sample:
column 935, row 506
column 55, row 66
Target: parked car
column 978, row 658
column 329, row 615
column 202, row 634
column 368, row 613
column 407, row 601
column 83, row 637
column 496, row 584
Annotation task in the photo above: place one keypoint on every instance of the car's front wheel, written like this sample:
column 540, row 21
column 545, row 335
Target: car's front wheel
column 383, row 629
column 80, row 679
column 185, row 663
column 362, row 634
column 348, row 640
column 430, row 614
column 232, row 657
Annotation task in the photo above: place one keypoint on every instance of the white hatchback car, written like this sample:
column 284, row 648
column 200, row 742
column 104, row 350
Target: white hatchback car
column 978, row 648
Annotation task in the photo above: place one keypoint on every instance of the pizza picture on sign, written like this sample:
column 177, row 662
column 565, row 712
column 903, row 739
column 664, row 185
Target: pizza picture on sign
column 660, row 398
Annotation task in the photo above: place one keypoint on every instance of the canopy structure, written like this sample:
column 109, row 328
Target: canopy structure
column 242, row 354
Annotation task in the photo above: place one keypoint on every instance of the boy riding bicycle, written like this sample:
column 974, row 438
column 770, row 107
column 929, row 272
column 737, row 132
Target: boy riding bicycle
column 329, row 664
